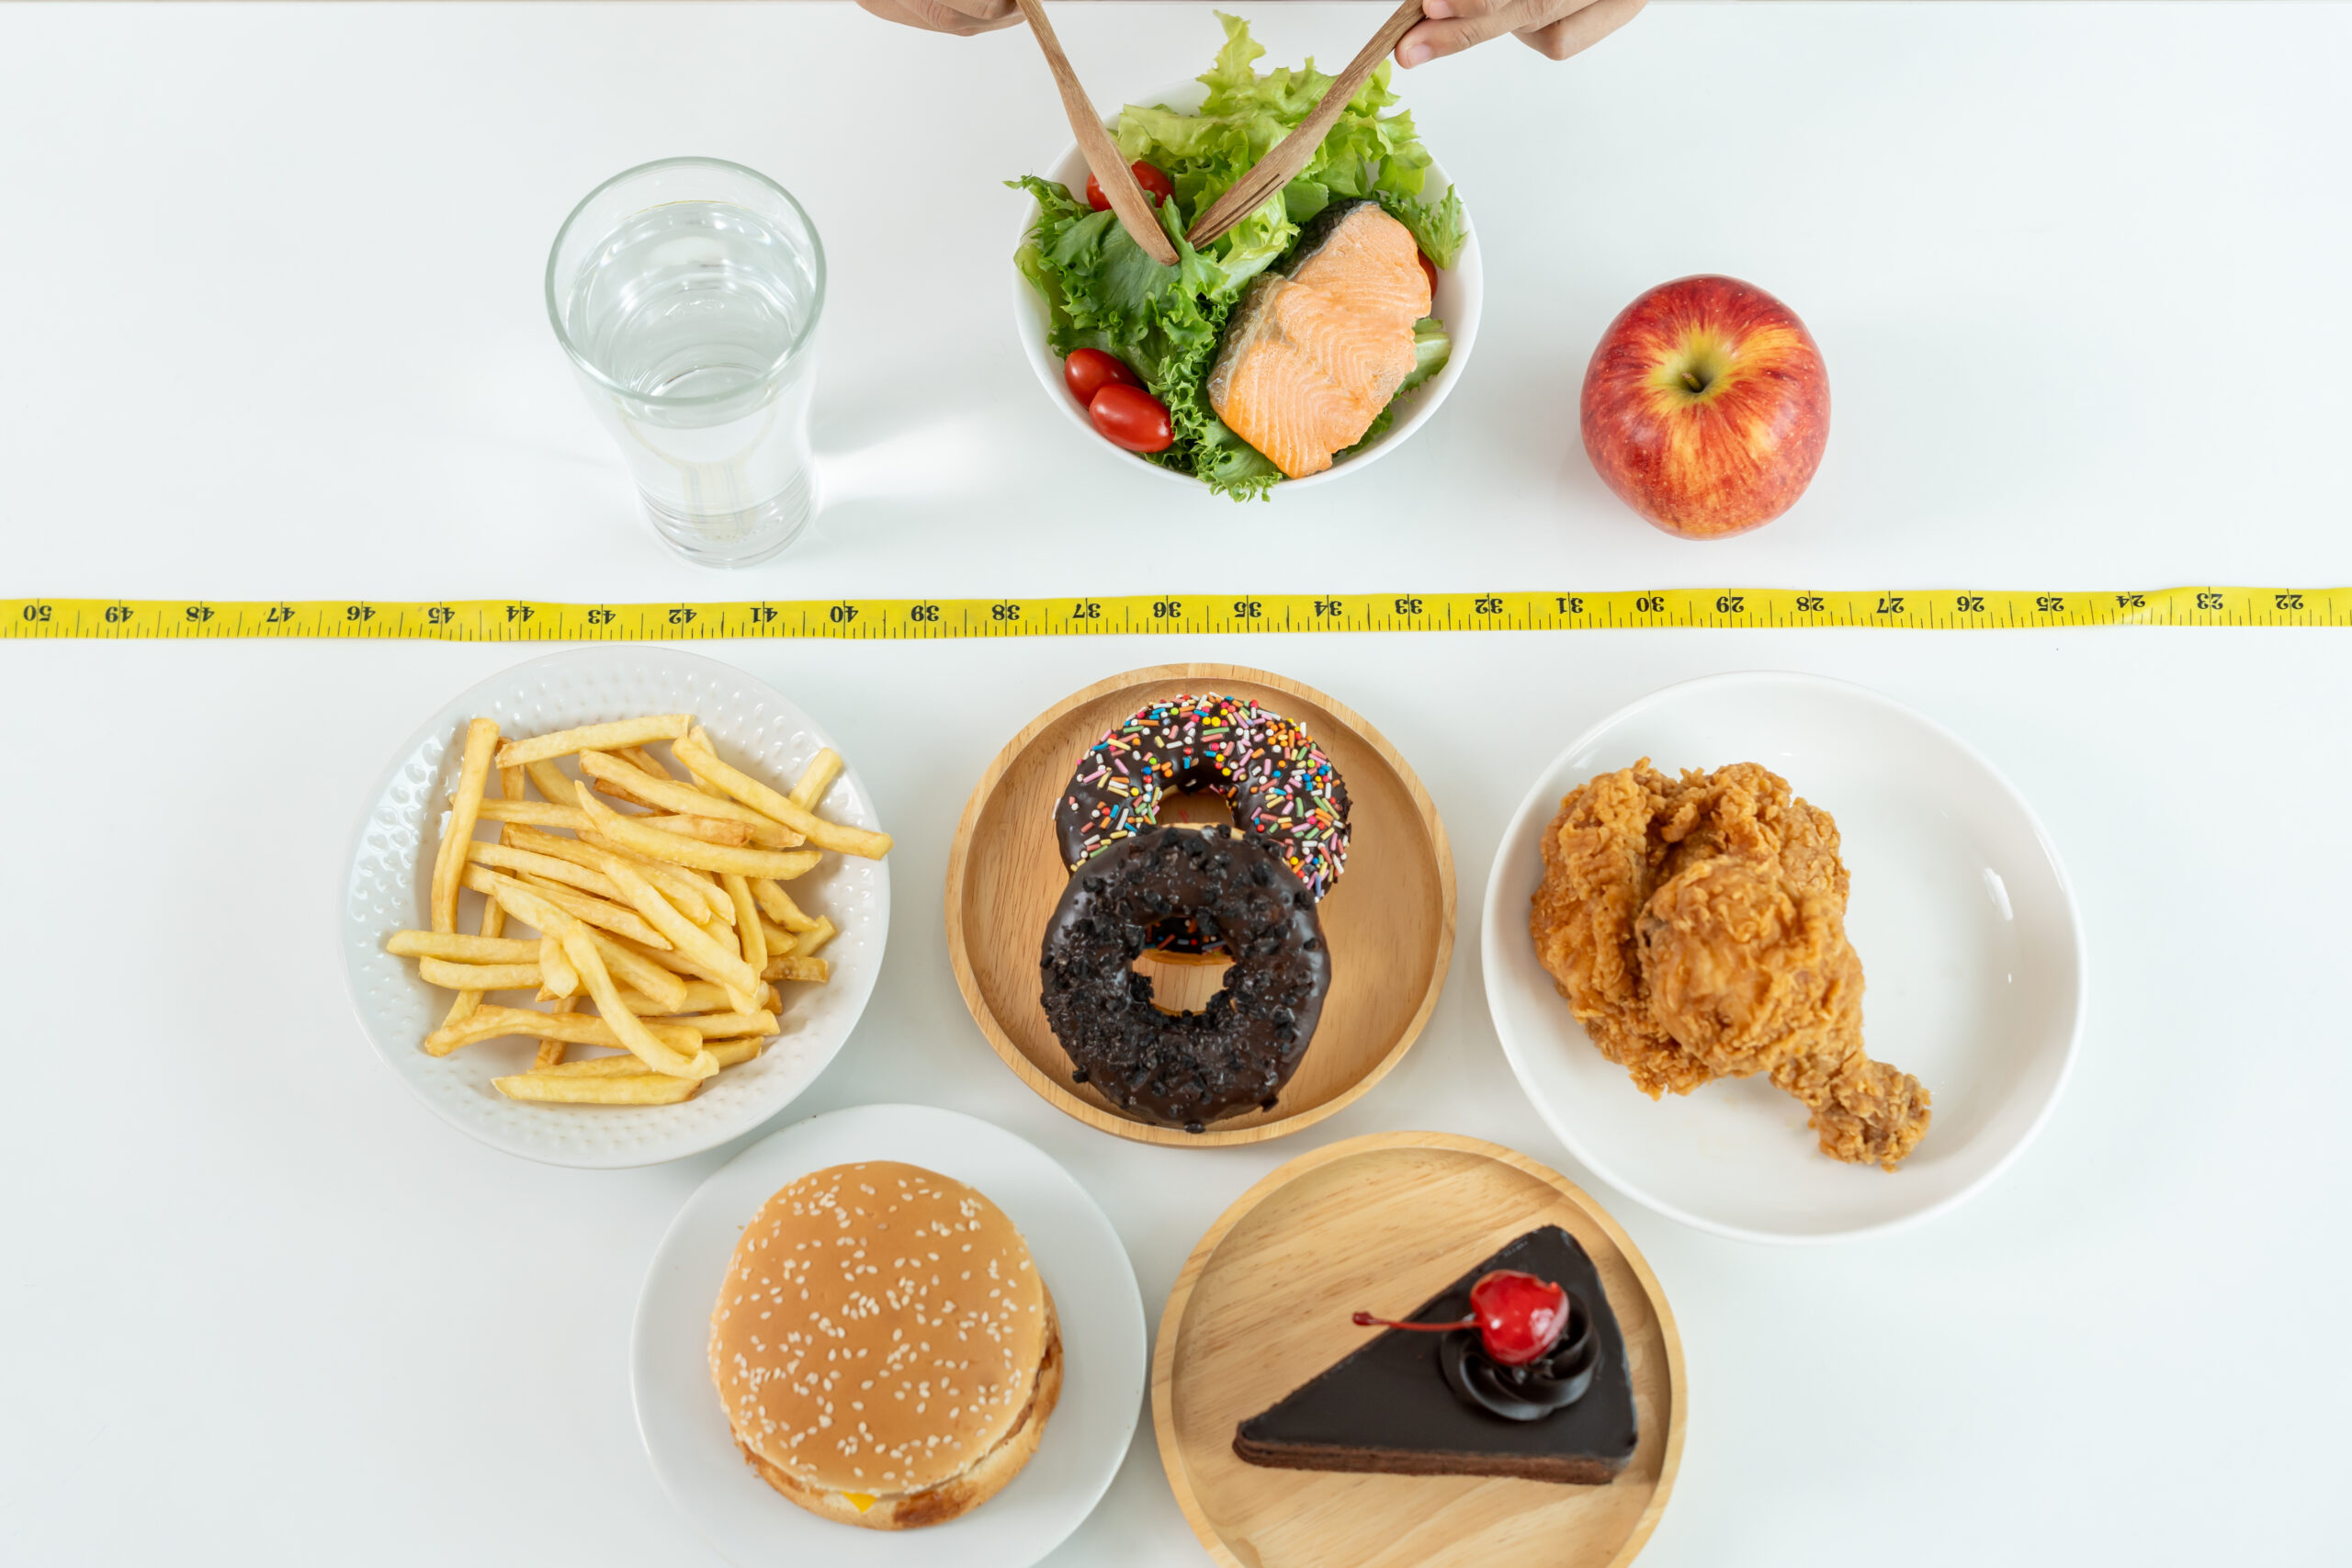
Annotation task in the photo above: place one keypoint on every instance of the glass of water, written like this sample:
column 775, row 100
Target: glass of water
column 687, row 292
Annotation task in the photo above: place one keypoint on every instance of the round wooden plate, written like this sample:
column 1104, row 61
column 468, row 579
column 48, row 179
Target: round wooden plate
column 1263, row 1305
column 1389, row 919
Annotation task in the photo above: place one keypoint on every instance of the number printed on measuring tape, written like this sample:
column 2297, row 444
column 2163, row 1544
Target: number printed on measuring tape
column 883, row 620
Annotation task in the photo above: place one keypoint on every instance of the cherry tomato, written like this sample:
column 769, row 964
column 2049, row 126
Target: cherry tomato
column 1132, row 418
column 1429, row 270
column 1155, row 185
column 1088, row 371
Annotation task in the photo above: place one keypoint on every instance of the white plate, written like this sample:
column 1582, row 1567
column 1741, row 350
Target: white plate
column 1460, row 298
column 1101, row 1312
column 1971, row 946
column 389, row 881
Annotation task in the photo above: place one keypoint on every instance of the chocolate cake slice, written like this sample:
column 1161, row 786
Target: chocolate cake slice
column 1387, row 1408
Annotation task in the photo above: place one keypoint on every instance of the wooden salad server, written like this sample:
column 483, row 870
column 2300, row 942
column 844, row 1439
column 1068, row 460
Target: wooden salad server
column 1285, row 158
column 1110, row 171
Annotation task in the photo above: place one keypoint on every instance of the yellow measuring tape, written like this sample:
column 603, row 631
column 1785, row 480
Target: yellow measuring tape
column 525, row 620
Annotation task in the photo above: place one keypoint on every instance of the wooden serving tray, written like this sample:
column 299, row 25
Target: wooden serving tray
column 1389, row 919
column 1384, row 1222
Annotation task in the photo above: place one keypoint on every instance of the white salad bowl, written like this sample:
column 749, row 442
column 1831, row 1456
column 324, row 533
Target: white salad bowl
column 1461, row 294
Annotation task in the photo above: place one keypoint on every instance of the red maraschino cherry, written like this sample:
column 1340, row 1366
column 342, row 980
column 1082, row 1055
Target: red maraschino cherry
column 1518, row 1317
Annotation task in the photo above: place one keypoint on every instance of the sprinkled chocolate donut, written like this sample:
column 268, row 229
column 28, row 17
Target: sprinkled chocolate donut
column 1185, row 1069
column 1268, row 771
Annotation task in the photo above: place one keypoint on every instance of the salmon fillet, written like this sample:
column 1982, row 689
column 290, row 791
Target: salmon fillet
column 1363, row 352
column 1310, row 360
column 1277, row 396
column 1367, row 262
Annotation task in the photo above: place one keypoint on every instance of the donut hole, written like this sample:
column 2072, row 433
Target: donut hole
column 1184, row 982
column 1194, row 808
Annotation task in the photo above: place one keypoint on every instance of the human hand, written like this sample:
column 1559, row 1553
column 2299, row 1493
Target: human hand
column 1556, row 28
column 962, row 17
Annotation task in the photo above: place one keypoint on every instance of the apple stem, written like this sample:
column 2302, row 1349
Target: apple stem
column 1690, row 379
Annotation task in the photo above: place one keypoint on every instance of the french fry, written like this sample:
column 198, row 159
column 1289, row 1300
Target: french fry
column 621, row 1066
column 570, row 901
column 767, row 998
column 553, row 868
column 694, row 996
column 629, row 834
column 511, row 782
column 710, row 829
column 649, row 978
column 812, row 941
column 618, row 791
column 722, row 1025
column 553, row 782
column 533, row 813
column 461, row 948
column 779, row 905
column 644, row 1088
column 594, row 738
column 551, row 1051
column 825, row 835
column 635, row 785
column 734, row 1052
column 493, row 923
column 540, row 814
column 662, row 1056
column 476, row 977
column 449, row 859
column 490, row 1022
column 748, row 934
column 723, row 963
column 556, row 972
column 679, row 886
column 816, row 779
column 814, row 971
column 639, row 758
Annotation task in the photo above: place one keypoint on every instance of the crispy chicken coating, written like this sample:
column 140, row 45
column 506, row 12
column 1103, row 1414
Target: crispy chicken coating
column 1697, row 926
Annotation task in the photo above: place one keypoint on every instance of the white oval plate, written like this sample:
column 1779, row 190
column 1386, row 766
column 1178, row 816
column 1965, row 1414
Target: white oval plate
column 1459, row 301
column 1971, row 951
column 1100, row 1311
column 389, row 883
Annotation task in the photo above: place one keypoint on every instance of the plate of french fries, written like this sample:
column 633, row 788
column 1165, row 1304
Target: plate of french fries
column 615, row 906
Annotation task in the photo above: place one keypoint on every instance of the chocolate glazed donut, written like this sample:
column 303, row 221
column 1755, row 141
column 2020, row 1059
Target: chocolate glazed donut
column 1191, row 1068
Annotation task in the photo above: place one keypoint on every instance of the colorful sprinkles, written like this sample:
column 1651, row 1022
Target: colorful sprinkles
column 1268, row 771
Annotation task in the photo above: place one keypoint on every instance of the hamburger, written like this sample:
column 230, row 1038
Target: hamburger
column 884, row 1346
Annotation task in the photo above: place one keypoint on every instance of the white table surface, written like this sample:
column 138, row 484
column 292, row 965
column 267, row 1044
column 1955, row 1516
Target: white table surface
column 271, row 326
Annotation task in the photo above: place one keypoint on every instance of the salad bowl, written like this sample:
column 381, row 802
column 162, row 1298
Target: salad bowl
column 1460, row 295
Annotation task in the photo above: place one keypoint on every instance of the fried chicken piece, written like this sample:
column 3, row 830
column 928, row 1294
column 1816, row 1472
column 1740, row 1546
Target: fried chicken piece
column 1696, row 926
column 1601, row 859
column 1747, row 966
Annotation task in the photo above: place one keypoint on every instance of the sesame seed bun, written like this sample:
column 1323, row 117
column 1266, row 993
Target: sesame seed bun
column 883, row 1345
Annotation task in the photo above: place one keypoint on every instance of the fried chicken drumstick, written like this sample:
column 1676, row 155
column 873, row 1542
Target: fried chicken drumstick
column 1697, row 926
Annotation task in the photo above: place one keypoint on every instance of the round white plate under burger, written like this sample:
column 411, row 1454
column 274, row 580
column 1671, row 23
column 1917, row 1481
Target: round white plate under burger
column 1101, row 1312
column 1972, row 954
column 1459, row 301
column 389, row 885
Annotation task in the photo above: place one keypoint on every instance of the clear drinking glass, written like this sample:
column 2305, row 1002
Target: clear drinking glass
column 687, row 292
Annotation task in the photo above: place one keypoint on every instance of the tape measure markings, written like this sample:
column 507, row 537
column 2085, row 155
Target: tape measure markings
column 495, row 620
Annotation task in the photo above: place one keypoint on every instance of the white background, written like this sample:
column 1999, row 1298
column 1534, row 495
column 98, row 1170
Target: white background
column 270, row 325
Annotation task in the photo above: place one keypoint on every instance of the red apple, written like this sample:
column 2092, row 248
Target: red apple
column 1706, row 407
